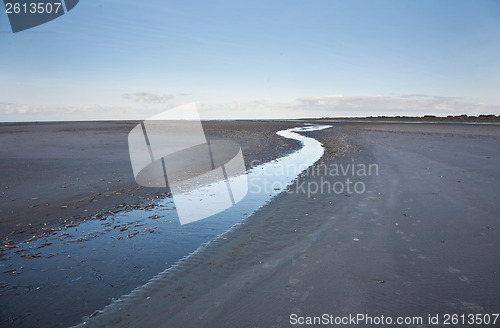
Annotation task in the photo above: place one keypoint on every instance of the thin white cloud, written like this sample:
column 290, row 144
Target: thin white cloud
column 352, row 106
column 12, row 108
column 148, row 98
column 397, row 105
column 319, row 106
column 22, row 112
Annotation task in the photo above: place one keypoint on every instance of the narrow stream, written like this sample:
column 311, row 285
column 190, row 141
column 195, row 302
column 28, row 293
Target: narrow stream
column 55, row 281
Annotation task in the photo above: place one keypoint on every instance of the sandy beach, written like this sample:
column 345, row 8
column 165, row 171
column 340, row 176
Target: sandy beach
column 178, row 164
column 399, row 220
column 58, row 175
column 62, row 172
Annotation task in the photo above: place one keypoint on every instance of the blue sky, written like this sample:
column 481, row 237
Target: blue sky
column 254, row 59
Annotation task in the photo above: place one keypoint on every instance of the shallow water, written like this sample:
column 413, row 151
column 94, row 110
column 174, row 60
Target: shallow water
column 56, row 280
column 411, row 122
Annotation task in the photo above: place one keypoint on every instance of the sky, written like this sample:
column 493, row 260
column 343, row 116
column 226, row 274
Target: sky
column 122, row 59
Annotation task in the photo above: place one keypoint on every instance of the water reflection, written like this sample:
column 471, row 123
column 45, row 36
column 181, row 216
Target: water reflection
column 77, row 269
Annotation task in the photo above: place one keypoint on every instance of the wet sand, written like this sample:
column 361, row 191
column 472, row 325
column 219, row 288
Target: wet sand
column 423, row 238
column 54, row 174
column 92, row 243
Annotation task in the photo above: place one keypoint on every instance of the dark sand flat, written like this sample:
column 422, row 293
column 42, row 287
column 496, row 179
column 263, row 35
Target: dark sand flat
column 423, row 239
column 62, row 172
column 57, row 175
